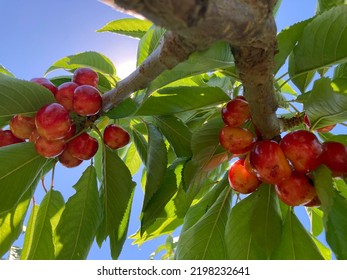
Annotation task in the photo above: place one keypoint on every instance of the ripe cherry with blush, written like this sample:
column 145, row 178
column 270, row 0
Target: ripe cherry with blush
column 115, row 136
column 87, row 100
column 85, row 76
column 53, row 121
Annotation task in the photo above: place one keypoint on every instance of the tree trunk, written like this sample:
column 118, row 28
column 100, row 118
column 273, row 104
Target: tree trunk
column 247, row 25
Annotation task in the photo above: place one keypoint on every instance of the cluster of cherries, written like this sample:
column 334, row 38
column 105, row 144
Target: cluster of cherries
column 60, row 129
column 288, row 164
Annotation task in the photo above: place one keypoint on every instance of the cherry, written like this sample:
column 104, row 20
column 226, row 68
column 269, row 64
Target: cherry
column 64, row 95
column 87, row 100
column 236, row 112
column 334, row 156
column 83, row 147
column 49, row 148
column 22, row 126
column 46, row 83
column 53, row 121
column 269, row 162
column 7, row 138
column 85, row 76
column 303, row 150
column 68, row 160
column 236, row 140
column 240, row 179
column 115, row 137
column 296, row 190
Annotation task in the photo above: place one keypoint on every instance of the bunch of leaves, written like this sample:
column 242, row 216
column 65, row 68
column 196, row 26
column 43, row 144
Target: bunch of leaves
column 174, row 126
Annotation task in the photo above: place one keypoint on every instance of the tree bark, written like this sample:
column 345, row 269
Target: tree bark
column 247, row 25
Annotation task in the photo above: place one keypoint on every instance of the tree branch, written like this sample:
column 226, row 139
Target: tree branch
column 247, row 25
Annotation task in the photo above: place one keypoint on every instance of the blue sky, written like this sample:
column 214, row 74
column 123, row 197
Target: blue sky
column 34, row 34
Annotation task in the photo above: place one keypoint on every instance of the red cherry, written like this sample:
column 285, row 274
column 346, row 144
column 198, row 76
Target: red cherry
column 87, row 100
column 7, row 138
column 22, row 126
column 303, row 150
column 53, row 121
column 46, row 83
column 68, row 160
column 83, row 147
column 49, row 148
column 334, row 156
column 269, row 162
column 85, row 76
column 296, row 190
column 236, row 112
column 115, row 137
column 64, row 95
column 240, row 179
column 236, row 140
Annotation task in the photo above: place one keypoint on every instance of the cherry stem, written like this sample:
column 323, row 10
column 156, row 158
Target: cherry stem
column 281, row 77
column 43, row 184
column 52, row 179
column 294, row 108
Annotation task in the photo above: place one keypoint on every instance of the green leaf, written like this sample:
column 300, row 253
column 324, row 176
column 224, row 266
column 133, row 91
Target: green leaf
column 287, row 40
column 324, row 106
column 21, row 97
column 28, row 239
column 335, row 208
column 205, row 239
column 206, row 147
column 125, row 109
column 21, row 170
column 131, row 27
column 173, row 100
column 116, row 194
column 11, row 222
column 199, row 209
column 316, row 220
column 91, row 59
column 155, row 208
column 324, row 5
column 323, row 42
column 239, row 238
column 132, row 159
column 80, row 219
column 149, row 42
column 141, row 145
column 296, row 242
column 217, row 56
column 4, row 71
column 119, row 236
column 326, row 136
column 48, row 215
column 161, row 226
column 341, row 186
column 177, row 133
column 156, row 164
column 303, row 80
column 266, row 221
column 340, row 71
column 207, row 161
column 323, row 249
